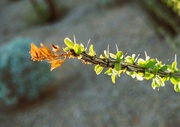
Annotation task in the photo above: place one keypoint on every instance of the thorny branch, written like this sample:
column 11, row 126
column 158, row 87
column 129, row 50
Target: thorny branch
column 107, row 63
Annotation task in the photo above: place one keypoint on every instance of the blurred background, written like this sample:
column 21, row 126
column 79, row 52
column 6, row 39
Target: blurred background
column 73, row 95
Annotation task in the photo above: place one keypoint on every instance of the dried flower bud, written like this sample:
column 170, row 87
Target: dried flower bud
column 55, row 48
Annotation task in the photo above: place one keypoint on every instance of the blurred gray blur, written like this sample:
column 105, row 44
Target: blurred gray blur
column 76, row 96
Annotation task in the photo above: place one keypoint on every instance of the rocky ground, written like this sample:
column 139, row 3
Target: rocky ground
column 80, row 98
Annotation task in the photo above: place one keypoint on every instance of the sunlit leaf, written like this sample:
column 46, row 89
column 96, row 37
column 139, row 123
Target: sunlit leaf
column 139, row 76
column 66, row 49
column 177, row 88
column 129, row 59
column 119, row 56
column 149, row 75
column 119, row 72
column 91, row 51
column 174, row 66
column 159, row 81
column 154, row 84
column 112, row 55
column 98, row 69
column 101, row 56
column 174, row 80
column 141, row 62
column 109, row 71
column 69, row 43
column 77, row 49
column 113, row 78
column 131, row 73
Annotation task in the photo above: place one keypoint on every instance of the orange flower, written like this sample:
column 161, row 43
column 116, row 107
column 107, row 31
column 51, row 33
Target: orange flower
column 56, row 63
column 55, row 58
column 35, row 53
column 45, row 51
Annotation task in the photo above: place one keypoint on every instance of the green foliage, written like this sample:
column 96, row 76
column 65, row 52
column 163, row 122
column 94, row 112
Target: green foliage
column 98, row 69
column 19, row 77
column 69, row 43
column 174, row 4
column 91, row 51
column 139, row 68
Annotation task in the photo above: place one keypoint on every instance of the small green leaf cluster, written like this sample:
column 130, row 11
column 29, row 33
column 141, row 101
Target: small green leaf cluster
column 155, row 70
column 139, row 68
column 78, row 48
column 116, row 70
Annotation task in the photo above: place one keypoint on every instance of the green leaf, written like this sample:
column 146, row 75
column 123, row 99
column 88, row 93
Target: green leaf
column 117, row 66
column 164, row 68
column 151, row 63
column 77, row 49
column 112, row 56
column 174, row 80
column 159, row 81
column 106, row 54
column 139, row 76
column 113, row 78
column 131, row 73
column 148, row 75
column 155, row 70
column 66, row 49
column 174, row 66
column 69, row 43
column 177, row 88
column 119, row 56
column 129, row 59
column 109, row 71
column 119, row 72
column 154, row 84
column 101, row 56
column 141, row 62
column 91, row 51
column 98, row 69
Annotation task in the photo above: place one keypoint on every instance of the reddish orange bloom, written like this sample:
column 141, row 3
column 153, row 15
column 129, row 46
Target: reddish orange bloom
column 54, row 57
column 56, row 63
column 45, row 51
column 35, row 53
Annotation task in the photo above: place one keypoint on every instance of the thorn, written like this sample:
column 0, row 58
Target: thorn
column 74, row 39
column 108, row 50
column 87, row 44
column 125, row 54
column 137, row 58
column 175, row 57
column 145, row 53
column 117, row 48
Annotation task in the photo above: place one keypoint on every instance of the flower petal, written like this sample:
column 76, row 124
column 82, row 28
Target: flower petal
column 56, row 63
column 35, row 54
column 45, row 50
